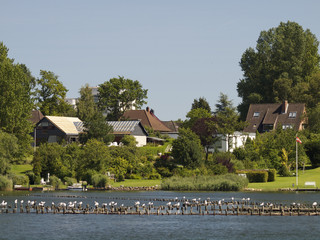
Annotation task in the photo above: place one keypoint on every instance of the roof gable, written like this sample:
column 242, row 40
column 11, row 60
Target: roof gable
column 126, row 127
column 69, row 125
column 147, row 119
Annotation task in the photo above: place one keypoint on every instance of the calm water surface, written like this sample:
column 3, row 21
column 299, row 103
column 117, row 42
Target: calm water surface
column 59, row 226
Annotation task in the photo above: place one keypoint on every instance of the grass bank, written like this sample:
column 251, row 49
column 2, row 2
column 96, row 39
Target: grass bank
column 137, row 183
column 310, row 175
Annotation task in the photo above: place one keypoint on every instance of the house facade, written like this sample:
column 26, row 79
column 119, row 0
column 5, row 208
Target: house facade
column 229, row 143
column 266, row 117
column 56, row 129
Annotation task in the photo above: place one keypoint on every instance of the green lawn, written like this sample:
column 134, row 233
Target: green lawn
column 137, row 183
column 311, row 175
column 20, row 169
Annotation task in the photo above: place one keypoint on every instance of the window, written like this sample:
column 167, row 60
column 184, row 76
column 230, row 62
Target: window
column 256, row 114
column 292, row 114
column 267, row 127
column 286, row 126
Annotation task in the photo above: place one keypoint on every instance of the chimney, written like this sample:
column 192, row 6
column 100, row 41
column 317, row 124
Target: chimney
column 284, row 107
column 147, row 109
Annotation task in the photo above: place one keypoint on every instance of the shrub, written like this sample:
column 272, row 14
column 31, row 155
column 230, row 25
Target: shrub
column 228, row 182
column 272, row 175
column 70, row 181
column 19, row 179
column 54, row 181
column 99, row 180
column 5, row 183
column 257, row 176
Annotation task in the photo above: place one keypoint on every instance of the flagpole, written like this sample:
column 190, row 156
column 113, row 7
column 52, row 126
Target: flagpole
column 296, row 162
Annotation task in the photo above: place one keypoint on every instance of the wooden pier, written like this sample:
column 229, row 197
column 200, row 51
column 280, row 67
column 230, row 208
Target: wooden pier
column 173, row 207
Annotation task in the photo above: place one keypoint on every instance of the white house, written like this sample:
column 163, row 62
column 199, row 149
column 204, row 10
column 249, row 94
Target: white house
column 236, row 140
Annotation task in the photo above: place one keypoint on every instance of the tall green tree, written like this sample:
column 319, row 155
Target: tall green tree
column 51, row 94
column 227, row 117
column 95, row 125
column 279, row 67
column 119, row 95
column 193, row 115
column 16, row 98
column 201, row 103
column 187, row 149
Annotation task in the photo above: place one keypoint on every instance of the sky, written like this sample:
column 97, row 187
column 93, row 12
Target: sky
column 180, row 50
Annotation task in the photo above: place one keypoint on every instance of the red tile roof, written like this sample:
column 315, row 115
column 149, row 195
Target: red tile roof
column 147, row 118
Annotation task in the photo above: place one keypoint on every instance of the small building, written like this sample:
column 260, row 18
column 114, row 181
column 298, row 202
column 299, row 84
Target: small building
column 133, row 128
column 266, row 117
column 57, row 129
column 228, row 144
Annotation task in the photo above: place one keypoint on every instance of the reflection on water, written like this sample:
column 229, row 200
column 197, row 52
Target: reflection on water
column 51, row 226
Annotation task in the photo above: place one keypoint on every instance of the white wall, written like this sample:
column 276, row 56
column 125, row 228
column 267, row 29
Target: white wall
column 142, row 140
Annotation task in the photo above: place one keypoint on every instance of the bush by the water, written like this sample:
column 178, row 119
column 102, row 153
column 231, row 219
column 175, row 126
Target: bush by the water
column 228, row 182
column 5, row 183
column 99, row 180
column 19, row 179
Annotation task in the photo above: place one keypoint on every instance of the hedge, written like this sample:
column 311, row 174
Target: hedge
column 268, row 175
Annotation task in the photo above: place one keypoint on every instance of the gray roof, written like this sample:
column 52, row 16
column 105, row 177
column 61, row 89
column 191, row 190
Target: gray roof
column 124, row 127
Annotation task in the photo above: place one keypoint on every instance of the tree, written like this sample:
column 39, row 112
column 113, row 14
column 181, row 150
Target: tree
column 279, row 68
column 8, row 151
column 16, row 102
column 207, row 130
column 51, row 95
column 227, row 117
column 95, row 125
column 119, row 95
column 201, row 103
column 194, row 115
column 187, row 149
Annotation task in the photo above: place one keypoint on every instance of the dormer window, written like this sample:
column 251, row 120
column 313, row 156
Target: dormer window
column 292, row 114
column 256, row 114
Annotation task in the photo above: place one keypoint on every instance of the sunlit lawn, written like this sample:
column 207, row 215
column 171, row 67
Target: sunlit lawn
column 20, row 169
column 311, row 175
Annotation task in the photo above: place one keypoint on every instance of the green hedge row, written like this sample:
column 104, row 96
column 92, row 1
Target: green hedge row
column 268, row 175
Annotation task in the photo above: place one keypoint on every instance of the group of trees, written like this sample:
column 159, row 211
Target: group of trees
column 84, row 162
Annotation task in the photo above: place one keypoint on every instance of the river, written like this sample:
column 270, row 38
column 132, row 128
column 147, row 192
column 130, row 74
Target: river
column 101, row 226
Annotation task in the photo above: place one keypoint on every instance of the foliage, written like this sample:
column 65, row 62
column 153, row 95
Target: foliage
column 51, row 95
column 273, row 149
column 207, row 130
column 313, row 150
column 9, row 150
column 129, row 141
column 119, row 167
column 118, row 94
column 186, row 149
column 194, row 115
column 18, row 179
column 70, row 181
column 54, row 181
column 279, row 68
column 16, row 103
column 95, row 156
column 272, row 173
column 201, row 103
column 99, row 180
column 5, row 183
column 257, row 176
column 95, row 125
column 49, row 159
column 229, row 182
column 227, row 118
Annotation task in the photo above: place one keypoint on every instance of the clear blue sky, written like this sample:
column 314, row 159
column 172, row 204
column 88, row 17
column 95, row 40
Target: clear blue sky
column 179, row 50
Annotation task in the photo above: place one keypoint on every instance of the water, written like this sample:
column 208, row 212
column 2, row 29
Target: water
column 59, row 226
